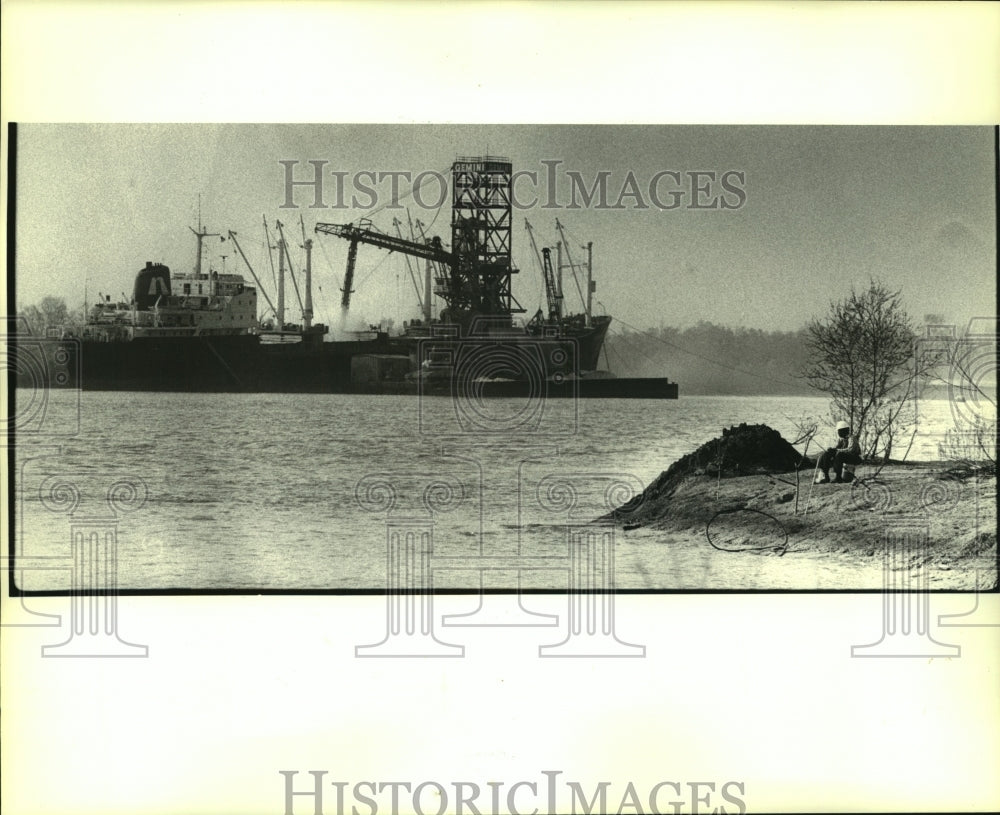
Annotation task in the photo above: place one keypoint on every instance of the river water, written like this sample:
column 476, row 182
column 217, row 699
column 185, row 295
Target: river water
column 296, row 492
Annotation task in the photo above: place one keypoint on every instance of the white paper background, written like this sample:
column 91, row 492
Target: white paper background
column 754, row 689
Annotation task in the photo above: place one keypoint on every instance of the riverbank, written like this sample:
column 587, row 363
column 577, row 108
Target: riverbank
column 778, row 514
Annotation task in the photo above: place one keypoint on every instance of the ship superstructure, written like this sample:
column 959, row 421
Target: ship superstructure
column 201, row 330
column 473, row 277
column 191, row 304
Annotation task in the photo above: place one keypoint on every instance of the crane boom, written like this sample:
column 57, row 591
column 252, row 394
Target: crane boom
column 352, row 256
column 291, row 270
column 409, row 266
column 263, row 291
column 440, row 269
column 552, row 294
column 572, row 266
column 365, row 233
column 472, row 281
column 555, row 301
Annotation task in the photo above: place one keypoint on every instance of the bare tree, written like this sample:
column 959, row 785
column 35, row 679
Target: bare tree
column 862, row 355
column 49, row 313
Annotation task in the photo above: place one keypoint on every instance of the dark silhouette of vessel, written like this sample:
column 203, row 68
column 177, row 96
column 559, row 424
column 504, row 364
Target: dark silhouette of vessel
column 200, row 331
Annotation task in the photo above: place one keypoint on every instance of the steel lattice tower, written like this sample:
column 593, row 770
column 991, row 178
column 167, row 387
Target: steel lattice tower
column 480, row 236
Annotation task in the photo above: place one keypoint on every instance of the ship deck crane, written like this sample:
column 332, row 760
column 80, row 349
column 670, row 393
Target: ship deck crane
column 588, row 300
column 288, row 259
column 366, row 233
column 438, row 270
column 260, row 286
column 474, row 276
column 409, row 266
column 552, row 293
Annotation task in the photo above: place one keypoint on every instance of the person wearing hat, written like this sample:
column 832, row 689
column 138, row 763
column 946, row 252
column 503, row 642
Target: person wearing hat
column 847, row 451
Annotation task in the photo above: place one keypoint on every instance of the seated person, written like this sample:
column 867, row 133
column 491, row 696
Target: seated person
column 847, row 451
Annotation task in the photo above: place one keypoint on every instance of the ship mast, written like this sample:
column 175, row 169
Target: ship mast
column 590, row 280
column 200, row 234
column 281, row 284
column 437, row 269
column 409, row 266
column 307, row 309
column 572, row 268
column 559, row 279
column 428, row 312
column 291, row 269
column 552, row 296
column 260, row 286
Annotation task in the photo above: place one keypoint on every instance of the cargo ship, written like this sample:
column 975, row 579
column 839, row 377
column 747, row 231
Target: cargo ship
column 200, row 331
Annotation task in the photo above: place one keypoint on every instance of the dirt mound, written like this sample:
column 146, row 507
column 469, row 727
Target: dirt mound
column 739, row 451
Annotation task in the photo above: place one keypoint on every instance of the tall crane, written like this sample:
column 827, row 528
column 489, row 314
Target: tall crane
column 470, row 287
column 409, row 267
column 552, row 294
column 475, row 276
column 439, row 270
column 588, row 300
column 366, row 233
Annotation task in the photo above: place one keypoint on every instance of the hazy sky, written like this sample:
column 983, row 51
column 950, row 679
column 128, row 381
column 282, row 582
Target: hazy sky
column 823, row 208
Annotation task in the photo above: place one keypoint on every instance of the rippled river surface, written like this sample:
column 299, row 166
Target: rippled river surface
column 302, row 492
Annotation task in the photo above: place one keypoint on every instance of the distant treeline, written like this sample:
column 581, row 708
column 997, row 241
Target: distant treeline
column 50, row 312
column 712, row 359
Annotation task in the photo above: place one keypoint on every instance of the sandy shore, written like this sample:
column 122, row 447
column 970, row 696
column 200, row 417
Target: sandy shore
column 946, row 525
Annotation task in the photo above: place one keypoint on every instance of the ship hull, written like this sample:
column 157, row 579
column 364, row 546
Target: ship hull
column 540, row 351
column 602, row 388
column 224, row 364
column 489, row 366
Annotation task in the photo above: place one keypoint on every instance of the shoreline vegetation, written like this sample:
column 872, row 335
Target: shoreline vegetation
column 749, row 490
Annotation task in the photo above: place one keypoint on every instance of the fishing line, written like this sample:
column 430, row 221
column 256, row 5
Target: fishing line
column 710, row 360
column 326, row 257
column 634, row 349
column 374, row 269
column 411, row 191
column 783, row 547
column 436, row 213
